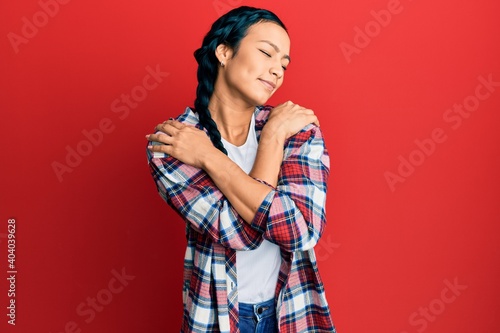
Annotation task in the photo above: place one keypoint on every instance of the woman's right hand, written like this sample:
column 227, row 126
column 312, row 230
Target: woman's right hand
column 183, row 142
column 287, row 119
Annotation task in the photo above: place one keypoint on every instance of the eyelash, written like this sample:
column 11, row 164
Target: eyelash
column 267, row 54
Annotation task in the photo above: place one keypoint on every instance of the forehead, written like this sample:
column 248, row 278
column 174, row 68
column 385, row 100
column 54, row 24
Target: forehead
column 269, row 31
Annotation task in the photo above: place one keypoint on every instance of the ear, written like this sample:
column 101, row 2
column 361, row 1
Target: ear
column 223, row 53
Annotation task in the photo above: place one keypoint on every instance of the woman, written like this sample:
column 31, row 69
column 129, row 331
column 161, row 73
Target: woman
column 250, row 182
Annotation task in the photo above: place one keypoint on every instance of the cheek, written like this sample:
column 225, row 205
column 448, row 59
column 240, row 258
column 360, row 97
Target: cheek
column 280, row 82
column 250, row 64
column 243, row 73
column 249, row 71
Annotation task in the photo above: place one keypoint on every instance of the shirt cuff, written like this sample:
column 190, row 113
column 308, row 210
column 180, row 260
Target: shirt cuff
column 259, row 221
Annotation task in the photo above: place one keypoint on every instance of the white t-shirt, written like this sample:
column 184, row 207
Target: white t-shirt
column 257, row 269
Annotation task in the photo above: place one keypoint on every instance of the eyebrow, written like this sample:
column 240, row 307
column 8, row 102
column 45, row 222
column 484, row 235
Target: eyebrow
column 286, row 56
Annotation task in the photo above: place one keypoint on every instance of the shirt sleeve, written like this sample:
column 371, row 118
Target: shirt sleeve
column 194, row 196
column 292, row 215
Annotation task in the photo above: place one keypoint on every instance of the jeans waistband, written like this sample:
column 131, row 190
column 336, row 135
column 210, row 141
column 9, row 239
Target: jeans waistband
column 258, row 310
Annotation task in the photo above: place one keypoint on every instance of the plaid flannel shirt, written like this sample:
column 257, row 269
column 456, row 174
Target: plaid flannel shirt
column 292, row 216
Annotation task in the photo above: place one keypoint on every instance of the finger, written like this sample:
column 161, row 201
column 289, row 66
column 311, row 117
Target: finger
column 307, row 110
column 163, row 123
column 167, row 127
column 161, row 138
column 314, row 120
column 176, row 124
column 166, row 149
column 285, row 105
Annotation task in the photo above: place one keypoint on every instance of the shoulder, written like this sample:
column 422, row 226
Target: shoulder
column 262, row 115
column 188, row 117
column 308, row 145
column 310, row 135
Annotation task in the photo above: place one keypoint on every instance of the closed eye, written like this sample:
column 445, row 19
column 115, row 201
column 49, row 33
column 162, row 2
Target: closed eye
column 267, row 54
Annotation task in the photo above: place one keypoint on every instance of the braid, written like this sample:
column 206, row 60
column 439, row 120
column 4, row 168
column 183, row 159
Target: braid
column 207, row 73
column 229, row 29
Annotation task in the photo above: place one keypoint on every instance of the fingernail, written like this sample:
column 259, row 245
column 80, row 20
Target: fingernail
column 147, row 136
column 150, row 147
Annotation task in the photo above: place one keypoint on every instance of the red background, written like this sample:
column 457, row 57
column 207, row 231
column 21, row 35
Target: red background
column 386, row 254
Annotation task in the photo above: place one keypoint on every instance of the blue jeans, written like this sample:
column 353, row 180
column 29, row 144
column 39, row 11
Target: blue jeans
column 258, row 318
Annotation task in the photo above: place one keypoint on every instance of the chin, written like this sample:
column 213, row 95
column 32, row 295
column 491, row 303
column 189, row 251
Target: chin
column 256, row 97
column 262, row 100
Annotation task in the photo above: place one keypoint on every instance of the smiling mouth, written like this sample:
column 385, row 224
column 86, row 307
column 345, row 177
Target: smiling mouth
column 268, row 85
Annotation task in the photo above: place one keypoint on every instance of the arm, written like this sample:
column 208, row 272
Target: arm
column 284, row 121
column 194, row 196
column 245, row 192
column 293, row 214
column 256, row 202
column 190, row 149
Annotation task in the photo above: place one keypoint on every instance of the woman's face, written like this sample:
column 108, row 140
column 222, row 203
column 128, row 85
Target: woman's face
column 257, row 70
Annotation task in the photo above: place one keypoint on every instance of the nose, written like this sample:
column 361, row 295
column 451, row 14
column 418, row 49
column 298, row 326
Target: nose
column 277, row 70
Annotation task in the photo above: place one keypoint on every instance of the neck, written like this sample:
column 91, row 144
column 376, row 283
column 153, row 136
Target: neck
column 232, row 118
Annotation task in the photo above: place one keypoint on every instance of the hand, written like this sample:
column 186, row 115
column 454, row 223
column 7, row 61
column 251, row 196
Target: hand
column 287, row 119
column 183, row 142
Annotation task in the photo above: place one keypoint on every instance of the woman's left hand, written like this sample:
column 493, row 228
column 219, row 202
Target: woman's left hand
column 287, row 119
column 183, row 142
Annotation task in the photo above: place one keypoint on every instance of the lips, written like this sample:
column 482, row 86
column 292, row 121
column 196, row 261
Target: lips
column 268, row 84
